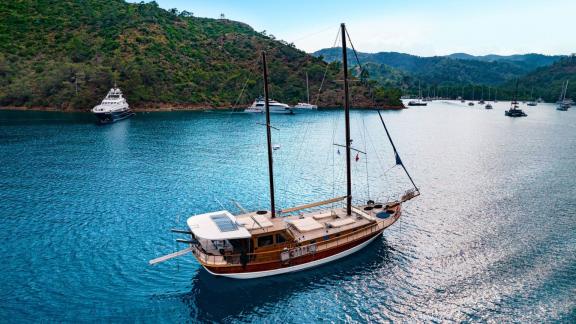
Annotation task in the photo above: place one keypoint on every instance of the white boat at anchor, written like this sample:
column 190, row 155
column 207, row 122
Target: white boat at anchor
column 114, row 107
column 307, row 104
column 563, row 103
column 275, row 107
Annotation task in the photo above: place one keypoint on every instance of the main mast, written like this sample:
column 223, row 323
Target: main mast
column 347, row 117
column 268, row 136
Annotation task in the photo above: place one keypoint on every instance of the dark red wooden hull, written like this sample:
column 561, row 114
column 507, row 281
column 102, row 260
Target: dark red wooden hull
column 273, row 265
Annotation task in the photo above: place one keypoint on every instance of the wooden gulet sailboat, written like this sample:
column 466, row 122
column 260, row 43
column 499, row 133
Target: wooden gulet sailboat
column 259, row 244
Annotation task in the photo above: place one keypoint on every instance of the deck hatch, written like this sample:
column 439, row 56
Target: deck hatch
column 224, row 223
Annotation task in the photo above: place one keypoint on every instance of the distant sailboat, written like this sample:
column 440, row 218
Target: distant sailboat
column 514, row 111
column 471, row 103
column 418, row 102
column 481, row 102
column 563, row 104
column 488, row 105
column 532, row 102
column 462, row 97
column 307, row 104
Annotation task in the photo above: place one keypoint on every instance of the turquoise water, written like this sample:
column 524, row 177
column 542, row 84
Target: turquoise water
column 492, row 237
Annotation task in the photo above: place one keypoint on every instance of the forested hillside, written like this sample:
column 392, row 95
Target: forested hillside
column 66, row 54
column 547, row 82
column 449, row 73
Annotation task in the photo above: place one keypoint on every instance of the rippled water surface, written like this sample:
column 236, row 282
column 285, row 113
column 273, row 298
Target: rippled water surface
column 492, row 237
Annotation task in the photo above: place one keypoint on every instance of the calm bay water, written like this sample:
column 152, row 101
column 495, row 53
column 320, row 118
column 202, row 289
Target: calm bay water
column 492, row 237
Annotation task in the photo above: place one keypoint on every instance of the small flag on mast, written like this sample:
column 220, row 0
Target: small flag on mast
column 338, row 152
column 357, row 157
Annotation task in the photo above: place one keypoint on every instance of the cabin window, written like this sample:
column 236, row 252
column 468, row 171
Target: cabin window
column 265, row 240
column 280, row 238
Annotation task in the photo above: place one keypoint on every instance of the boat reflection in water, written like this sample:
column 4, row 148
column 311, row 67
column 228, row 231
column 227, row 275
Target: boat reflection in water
column 222, row 299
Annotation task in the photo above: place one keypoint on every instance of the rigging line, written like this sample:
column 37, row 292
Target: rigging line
column 328, row 27
column 332, row 152
column 306, row 130
column 361, row 69
column 251, row 70
column 354, row 50
column 366, row 156
column 292, row 165
column 289, row 163
column 334, row 126
column 376, row 153
column 238, row 99
column 293, row 161
column 396, row 152
column 326, row 70
column 389, row 169
column 241, row 93
column 219, row 203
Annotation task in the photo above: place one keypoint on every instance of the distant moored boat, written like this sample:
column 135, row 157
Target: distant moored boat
column 307, row 104
column 532, row 102
column 563, row 103
column 420, row 101
column 514, row 111
column 275, row 107
column 114, row 107
column 417, row 103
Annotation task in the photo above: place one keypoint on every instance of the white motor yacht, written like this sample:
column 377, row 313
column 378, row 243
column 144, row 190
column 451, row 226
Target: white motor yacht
column 114, row 107
column 275, row 107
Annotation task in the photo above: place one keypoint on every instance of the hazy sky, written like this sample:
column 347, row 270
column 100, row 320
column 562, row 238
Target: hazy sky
column 417, row 27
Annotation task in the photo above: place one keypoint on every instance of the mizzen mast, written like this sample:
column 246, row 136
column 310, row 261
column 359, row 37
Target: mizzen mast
column 268, row 136
column 347, row 117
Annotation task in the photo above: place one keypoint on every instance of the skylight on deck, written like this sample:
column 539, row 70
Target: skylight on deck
column 224, row 223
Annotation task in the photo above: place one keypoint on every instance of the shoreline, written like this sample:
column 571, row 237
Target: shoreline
column 162, row 108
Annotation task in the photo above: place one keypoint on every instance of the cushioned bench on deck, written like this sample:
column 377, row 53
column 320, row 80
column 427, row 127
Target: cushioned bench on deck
column 341, row 222
column 305, row 224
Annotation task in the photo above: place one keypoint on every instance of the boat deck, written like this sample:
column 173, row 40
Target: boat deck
column 313, row 225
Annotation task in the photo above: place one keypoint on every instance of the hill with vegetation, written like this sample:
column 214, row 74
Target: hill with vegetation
column 528, row 61
column 547, row 82
column 67, row 54
column 454, row 74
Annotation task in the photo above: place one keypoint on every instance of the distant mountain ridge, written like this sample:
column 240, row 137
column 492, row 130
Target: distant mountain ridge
column 532, row 59
column 452, row 69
